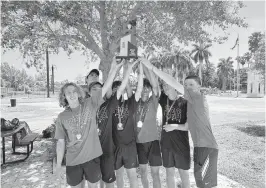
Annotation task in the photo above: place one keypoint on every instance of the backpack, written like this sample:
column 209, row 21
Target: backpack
column 7, row 125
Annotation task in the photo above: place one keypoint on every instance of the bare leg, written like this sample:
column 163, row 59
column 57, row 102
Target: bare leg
column 101, row 184
column 110, row 185
column 80, row 185
column 132, row 176
column 170, row 177
column 144, row 175
column 92, row 185
column 120, row 177
column 155, row 176
column 184, row 175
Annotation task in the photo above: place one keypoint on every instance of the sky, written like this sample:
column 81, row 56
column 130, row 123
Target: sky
column 70, row 67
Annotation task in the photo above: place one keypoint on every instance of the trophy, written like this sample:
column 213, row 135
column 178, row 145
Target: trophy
column 128, row 43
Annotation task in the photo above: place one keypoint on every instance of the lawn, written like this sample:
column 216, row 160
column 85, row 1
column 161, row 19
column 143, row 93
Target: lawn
column 242, row 152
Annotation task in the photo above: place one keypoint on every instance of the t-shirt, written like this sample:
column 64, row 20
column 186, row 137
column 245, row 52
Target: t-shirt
column 67, row 127
column 127, row 112
column 148, row 132
column 199, row 120
column 175, row 140
column 104, row 120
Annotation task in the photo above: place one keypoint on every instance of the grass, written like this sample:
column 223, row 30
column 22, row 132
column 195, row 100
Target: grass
column 242, row 152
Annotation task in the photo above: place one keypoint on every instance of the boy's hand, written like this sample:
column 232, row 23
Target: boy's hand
column 117, row 63
column 169, row 127
column 59, row 172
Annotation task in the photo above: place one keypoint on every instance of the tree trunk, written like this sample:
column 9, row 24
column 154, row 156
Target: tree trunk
column 224, row 84
column 47, row 72
column 105, row 66
column 184, row 77
column 200, row 74
column 176, row 73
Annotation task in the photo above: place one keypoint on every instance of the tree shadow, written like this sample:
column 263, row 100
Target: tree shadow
column 36, row 171
column 253, row 130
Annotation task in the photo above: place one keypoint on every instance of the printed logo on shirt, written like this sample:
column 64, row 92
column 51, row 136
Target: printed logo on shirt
column 124, row 110
column 175, row 113
column 102, row 114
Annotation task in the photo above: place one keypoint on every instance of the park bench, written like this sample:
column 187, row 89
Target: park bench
column 26, row 141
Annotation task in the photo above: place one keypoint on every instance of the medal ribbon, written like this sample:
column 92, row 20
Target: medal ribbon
column 142, row 112
column 167, row 113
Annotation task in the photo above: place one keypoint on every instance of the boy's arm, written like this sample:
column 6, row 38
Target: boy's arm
column 112, row 73
column 192, row 95
column 60, row 151
column 125, row 81
column 164, row 76
column 140, row 83
column 171, row 127
column 153, row 80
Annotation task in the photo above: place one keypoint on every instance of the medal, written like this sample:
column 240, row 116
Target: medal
column 78, row 136
column 139, row 124
column 120, row 111
column 120, row 126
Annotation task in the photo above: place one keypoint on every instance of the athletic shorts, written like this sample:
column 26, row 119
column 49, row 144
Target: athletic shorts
column 172, row 159
column 108, row 168
column 126, row 156
column 149, row 152
column 90, row 170
column 205, row 166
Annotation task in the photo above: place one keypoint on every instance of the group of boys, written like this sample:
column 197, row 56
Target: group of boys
column 113, row 128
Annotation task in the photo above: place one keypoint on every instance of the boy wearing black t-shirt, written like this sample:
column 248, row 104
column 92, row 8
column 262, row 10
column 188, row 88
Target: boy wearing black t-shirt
column 174, row 137
column 123, row 129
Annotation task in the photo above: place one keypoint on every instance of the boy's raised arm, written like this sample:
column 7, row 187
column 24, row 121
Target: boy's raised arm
column 164, row 76
column 125, row 81
column 108, row 83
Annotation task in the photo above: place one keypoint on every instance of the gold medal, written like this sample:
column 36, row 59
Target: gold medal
column 120, row 126
column 78, row 136
column 139, row 125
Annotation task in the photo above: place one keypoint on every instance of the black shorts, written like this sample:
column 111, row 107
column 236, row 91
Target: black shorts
column 90, row 170
column 149, row 152
column 108, row 168
column 126, row 156
column 172, row 159
column 205, row 166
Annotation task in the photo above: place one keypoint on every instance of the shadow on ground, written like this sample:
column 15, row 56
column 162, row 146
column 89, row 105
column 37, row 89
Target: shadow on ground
column 36, row 171
column 253, row 130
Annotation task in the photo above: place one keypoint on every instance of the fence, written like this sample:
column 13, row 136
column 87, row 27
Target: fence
column 9, row 92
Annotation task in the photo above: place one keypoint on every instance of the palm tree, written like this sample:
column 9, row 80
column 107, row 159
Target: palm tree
column 178, row 63
column 183, row 63
column 199, row 54
column 208, row 75
column 225, row 70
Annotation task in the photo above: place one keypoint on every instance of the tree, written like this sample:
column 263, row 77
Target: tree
column 199, row 54
column 95, row 27
column 244, row 59
column 254, row 41
column 225, row 70
column 259, row 57
column 208, row 74
column 80, row 79
column 10, row 75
